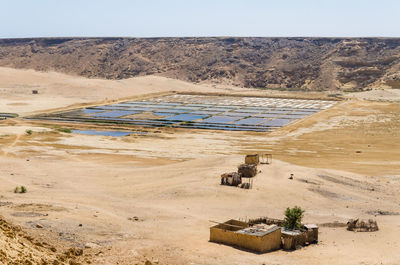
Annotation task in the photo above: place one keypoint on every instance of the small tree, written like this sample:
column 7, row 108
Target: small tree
column 293, row 217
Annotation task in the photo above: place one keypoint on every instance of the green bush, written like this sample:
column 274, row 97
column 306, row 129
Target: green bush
column 21, row 189
column 28, row 132
column 293, row 217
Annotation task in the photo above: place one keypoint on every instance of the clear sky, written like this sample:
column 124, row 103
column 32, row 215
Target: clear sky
column 157, row 18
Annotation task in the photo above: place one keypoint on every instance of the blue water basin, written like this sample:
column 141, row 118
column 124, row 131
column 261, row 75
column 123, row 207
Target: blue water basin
column 115, row 113
column 185, row 117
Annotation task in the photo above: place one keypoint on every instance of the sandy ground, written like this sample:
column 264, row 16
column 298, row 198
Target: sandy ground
column 57, row 90
column 60, row 90
column 151, row 196
column 378, row 95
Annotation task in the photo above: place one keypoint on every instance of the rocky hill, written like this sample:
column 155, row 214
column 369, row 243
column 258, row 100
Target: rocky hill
column 292, row 63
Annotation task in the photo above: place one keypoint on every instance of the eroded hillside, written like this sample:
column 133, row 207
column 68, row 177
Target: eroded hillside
column 294, row 63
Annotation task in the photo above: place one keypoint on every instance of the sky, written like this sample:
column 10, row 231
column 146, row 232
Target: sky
column 179, row 18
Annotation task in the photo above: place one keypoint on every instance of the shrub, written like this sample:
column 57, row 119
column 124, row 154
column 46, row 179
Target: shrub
column 23, row 189
column 28, row 132
column 293, row 217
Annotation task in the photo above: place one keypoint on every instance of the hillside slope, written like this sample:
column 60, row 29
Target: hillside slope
column 295, row 63
column 18, row 247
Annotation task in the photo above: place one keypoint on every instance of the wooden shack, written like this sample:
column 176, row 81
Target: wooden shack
column 247, row 170
column 312, row 233
column 252, row 159
column 231, row 179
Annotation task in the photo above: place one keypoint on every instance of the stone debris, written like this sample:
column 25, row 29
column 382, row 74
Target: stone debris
column 134, row 219
column 91, row 245
column 358, row 225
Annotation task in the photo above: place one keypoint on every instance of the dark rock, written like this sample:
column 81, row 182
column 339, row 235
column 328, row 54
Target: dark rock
column 362, row 225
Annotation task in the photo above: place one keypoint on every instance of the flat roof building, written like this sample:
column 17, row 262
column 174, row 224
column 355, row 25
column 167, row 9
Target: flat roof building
column 260, row 238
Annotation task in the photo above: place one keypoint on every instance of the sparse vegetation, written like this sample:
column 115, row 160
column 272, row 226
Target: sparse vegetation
column 300, row 89
column 20, row 189
column 64, row 130
column 293, row 217
column 29, row 132
column 334, row 95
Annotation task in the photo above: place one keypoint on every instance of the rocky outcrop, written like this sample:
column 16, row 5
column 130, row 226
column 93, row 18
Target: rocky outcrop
column 276, row 63
column 18, row 247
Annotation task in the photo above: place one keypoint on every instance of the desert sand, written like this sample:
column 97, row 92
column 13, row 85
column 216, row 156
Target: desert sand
column 152, row 196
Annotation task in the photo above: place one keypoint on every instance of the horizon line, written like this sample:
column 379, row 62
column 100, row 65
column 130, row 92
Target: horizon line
column 216, row 36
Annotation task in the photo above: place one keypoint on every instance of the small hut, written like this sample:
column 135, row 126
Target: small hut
column 247, row 170
column 231, row 179
column 293, row 238
column 252, row 159
column 260, row 238
column 312, row 233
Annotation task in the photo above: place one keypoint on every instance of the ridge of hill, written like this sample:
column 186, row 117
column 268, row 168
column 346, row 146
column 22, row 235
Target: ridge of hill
column 281, row 63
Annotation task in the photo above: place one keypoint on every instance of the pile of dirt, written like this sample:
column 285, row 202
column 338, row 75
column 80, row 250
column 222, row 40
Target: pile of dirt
column 17, row 247
column 284, row 63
